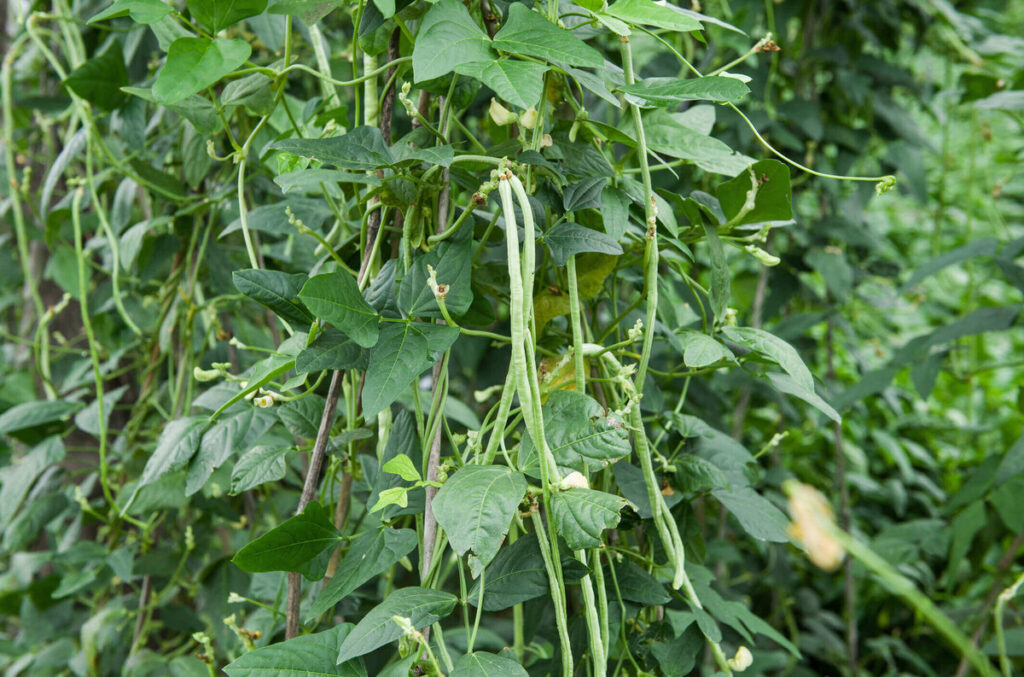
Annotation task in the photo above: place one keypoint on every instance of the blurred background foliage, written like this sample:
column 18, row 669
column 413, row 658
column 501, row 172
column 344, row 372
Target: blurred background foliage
column 907, row 306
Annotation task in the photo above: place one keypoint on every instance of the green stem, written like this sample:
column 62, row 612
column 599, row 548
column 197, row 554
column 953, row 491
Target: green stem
column 530, row 399
column 557, row 595
column 577, row 326
column 21, row 234
column 1004, row 597
column 594, row 628
column 83, row 304
column 650, row 220
column 479, row 613
column 900, row 585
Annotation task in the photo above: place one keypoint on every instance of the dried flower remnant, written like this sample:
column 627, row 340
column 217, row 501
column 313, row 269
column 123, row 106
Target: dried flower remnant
column 812, row 524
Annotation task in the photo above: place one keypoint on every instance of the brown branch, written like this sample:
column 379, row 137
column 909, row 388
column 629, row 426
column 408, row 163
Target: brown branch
column 434, row 457
column 849, row 591
column 491, row 20
column 330, row 407
column 386, row 113
column 340, row 515
column 1008, row 558
column 316, row 460
column 140, row 621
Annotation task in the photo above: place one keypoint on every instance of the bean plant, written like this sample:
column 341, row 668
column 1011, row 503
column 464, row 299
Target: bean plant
column 374, row 338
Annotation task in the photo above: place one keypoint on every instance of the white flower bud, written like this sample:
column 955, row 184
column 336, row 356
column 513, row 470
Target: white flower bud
column 742, row 660
column 574, row 480
column 502, row 116
column 264, row 402
column 205, row 375
column 762, row 256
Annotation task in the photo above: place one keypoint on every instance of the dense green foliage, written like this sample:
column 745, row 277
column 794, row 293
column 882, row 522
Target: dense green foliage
column 489, row 338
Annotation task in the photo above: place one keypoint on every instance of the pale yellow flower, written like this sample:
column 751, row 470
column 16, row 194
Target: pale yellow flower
column 812, row 524
column 742, row 660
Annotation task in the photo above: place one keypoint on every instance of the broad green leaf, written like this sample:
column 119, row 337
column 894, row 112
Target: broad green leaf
column 985, row 246
column 758, row 517
column 1008, row 500
column 980, row 321
column 277, row 291
column 386, row 7
column 372, row 553
column 521, row 83
column 302, row 416
column 440, row 338
column 691, row 426
column 670, row 91
column 422, row 606
column 255, row 92
column 18, row 479
column 311, row 180
column 99, row 80
column 775, row 349
column 631, row 483
column 577, row 429
column 290, row 544
column 595, row 84
column 1012, row 462
column 163, row 182
column 771, row 195
column 614, row 212
column 303, row 656
column 363, row 148
column 178, row 442
column 402, row 466
column 649, row 13
column 398, row 496
column 263, row 372
column 585, row 194
column 568, row 239
column 196, row 109
column 26, row 527
column 785, row 383
column 582, row 515
column 694, row 473
column 701, row 350
column 516, row 574
column 452, row 262
column 141, row 11
column 401, row 354
column 193, row 64
column 336, row 298
column 407, row 152
column 401, row 668
column 310, row 11
column 273, row 218
column 1007, row 100
column 833, row 267
column 234, row 433
column 530, row 34
column 258, row 466
column 330, row 351
column 403, row 439
column 964, row 528
column 721, row 281
column 483, row 664
column 216, row 15
column 666, row 134
column 32, row 414
column 636, row 585
column 677, row 657
column 475, row 507
column 447, row 37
